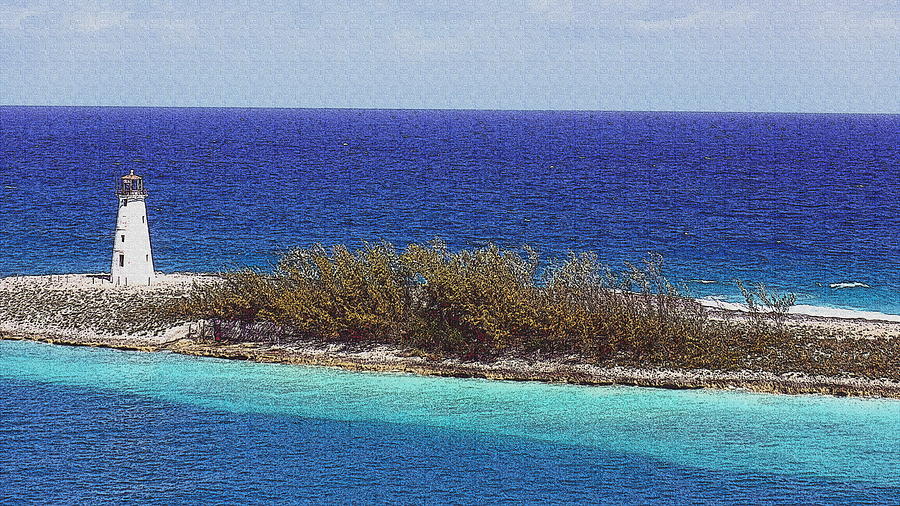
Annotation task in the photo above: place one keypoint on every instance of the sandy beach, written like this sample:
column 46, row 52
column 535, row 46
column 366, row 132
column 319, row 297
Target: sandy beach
column 86, row 310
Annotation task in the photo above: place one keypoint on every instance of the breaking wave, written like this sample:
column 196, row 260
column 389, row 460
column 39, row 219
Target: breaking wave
column 854, row 284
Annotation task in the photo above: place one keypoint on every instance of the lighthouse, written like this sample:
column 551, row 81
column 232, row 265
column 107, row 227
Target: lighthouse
column 132, row 260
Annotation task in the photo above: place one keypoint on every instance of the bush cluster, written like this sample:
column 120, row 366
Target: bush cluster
column 478, row 304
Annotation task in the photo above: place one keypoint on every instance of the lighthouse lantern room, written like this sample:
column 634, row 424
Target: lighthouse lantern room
column 132, row 260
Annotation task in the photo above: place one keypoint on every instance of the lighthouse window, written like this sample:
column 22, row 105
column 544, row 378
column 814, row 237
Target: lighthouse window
column 121, row 260
column 123, row 237
column 142, row 219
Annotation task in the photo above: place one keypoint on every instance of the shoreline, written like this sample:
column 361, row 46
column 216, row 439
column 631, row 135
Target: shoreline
column 394, row 360
column 76, row 310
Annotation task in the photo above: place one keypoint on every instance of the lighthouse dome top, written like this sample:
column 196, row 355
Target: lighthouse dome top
column 131, row 185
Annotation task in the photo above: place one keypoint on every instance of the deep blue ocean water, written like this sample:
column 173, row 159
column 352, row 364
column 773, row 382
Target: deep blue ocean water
column 84, row 425
column 799, row 201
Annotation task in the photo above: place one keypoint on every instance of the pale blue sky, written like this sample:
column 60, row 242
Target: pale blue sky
column 780, row 55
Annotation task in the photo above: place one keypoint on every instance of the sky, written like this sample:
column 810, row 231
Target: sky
column 779, row 56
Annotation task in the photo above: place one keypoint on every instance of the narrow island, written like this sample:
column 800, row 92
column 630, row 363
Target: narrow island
column 485, row 313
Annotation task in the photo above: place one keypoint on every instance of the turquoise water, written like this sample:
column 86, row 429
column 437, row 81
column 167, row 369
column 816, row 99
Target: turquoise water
column 648, row 444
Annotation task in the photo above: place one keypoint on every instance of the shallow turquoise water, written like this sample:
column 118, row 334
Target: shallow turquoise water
column 837, row 446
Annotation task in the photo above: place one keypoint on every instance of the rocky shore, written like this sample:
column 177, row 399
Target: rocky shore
column 83, row 310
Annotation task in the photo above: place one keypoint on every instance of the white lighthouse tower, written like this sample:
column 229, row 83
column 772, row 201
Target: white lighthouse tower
column 132, row 260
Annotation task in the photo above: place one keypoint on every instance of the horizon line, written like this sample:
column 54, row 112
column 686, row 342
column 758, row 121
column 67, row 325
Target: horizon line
column 472, row 109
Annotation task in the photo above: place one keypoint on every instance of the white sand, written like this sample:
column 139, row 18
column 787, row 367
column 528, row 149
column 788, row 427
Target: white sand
column 807, row 310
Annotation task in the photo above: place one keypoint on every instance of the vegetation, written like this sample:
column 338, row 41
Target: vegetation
column 763, row 305
column 479, row 304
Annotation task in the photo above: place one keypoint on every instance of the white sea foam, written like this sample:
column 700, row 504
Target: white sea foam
column 808, row 310
column 852, row 284
column 704, row 281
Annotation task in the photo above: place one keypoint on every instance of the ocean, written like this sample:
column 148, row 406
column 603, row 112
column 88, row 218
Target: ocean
column 88, row 425
column 807, row 203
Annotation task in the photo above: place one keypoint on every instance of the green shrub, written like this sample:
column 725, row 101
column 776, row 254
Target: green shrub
column 477, row 304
